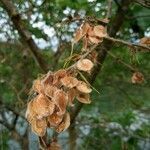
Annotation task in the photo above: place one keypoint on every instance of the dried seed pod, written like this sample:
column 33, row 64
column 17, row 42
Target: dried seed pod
column 64, row 124
column 145, row 41
column 99, row 31
column 85, row 65
column 94, row 39
column 48, row 79
column 69, row 81
column 42, row 106
column 58, row 76
column 78, row 35
column 39, row 126
column 85, row 43
column 137, row 77
column 85, row 28
column 54, row 120
column 71, row 96
column 83, row 98
column 30, row 114
column 50, row 90
column 83, row 87
column 90, row 32
column 60, row 99
column 37, row 86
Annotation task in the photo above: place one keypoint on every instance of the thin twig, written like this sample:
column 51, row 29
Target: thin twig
column 133, row 45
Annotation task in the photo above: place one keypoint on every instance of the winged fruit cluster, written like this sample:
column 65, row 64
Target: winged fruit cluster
column 55, row 92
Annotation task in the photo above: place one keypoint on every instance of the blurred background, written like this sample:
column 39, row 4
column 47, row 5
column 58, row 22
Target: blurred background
column 36, row 35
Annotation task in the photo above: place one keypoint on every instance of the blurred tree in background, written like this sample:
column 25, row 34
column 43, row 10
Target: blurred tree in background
column 35, row 37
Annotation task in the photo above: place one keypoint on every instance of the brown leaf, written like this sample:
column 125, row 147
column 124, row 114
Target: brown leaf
column 42, row 106
column 85, row 65
column 137, row 77
column 60, row 99
column 99, row 31
column 64, row 124
column 71, row 96
column 54, row 119
column 39, row 126
column 69, row 81
column 83, row 98
column 83, row 87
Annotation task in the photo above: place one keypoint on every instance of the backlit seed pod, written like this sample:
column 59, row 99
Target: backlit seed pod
column 78, row 35
column 99, row 31
column 145, row 41
column 58, row 76
column 83, row 98
column 42, row 106
column 137, row 77
column 94, row 39
column 54, row 120
column 71, row 96
column 50, row 90
column 64, row 124
column 85, row 28
column 30, row 114
column 48, row 80
column 37, row 86
column 90, row 32
column 83, row 87
column 39, row 126
column 60, row 99
column 69, row 81
column 84, row 65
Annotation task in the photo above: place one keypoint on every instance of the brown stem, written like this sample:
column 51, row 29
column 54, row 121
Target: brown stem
column 24, row 33
column 72, row 137
column 138, row 47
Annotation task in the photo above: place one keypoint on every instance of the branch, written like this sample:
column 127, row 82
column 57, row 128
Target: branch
column 102, row 50
column 133, row 45
column 23, row 32
column 144, row 3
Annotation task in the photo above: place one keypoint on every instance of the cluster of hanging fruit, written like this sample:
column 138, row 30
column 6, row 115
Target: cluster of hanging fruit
column 90, row 34
column 56, row 91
